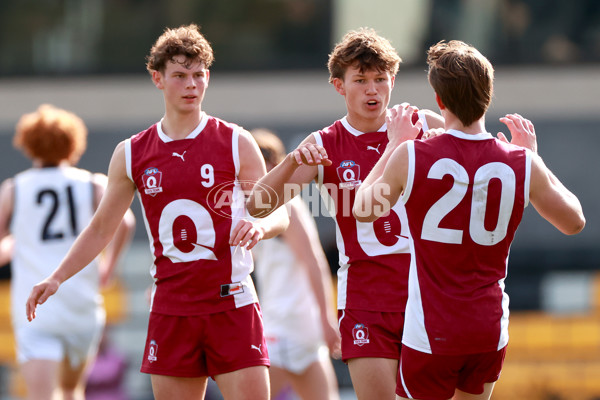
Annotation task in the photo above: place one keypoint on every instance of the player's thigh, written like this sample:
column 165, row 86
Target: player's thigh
column 250, row 383
column 279, row 378
column 488, row 388
column 175, row 387
column 72, row 376
column 41, row 378
column 373, row 377
column 317, row 382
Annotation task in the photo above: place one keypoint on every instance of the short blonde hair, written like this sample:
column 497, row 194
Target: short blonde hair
column 52, row 135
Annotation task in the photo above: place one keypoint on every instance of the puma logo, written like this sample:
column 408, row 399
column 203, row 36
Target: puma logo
column 181, row 155
column 256, row 348
column 374, row 148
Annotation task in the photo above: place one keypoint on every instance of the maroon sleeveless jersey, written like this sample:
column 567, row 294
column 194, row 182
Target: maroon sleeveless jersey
column 374, row 257
column 191, row 200
column 464, row 198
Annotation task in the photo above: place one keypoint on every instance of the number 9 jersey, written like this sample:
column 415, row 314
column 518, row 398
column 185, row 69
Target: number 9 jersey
column 464, row 198
column 191, row 199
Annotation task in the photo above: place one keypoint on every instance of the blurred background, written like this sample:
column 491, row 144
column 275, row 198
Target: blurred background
column 88, row 56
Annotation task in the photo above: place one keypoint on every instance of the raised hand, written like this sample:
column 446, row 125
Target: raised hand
column 311, row 154
column 399, row 124
column 521, row 130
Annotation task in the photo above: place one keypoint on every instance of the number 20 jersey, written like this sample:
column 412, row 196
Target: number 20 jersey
column 191, row 200
column 464, row 197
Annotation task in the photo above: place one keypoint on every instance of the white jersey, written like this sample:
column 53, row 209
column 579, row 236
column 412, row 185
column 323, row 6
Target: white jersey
column 287, row 301
column 51, row 207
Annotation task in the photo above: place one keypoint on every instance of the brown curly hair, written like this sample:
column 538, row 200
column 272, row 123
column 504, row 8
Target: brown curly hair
column 51, row 135
column 365, row 49
column 185, row 40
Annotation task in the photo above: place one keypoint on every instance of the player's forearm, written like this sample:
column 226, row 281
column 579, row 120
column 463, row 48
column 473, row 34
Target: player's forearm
column 572, row 220
column 270, row 191
column 84, row 250
column 119, row 242
column 274, row 224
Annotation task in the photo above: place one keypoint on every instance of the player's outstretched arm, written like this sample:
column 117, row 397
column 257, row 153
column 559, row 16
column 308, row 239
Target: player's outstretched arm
column 287, row 179
column 94, row 238
column 553, row 201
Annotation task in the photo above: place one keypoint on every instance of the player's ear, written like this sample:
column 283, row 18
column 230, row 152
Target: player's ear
column 439, row 102
column 338, row 84
column 157, row 79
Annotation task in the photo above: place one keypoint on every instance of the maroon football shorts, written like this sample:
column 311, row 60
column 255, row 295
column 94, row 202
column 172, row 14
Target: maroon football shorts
column 370, row 334
column 205, row 345
column 435, row 377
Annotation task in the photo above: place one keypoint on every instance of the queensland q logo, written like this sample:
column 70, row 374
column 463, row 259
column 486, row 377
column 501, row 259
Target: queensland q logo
column 360, row 334
column 349, row 174
column 152, row 351
column 152, row 179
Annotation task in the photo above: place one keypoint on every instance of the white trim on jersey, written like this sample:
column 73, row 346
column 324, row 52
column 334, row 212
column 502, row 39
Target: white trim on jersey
column 235, row 149
column 527, row 183
column 199, row 128
column 423, row 120
column 410, row 178
column 192, row 135
column 415, row 335
column 128, row 159
column 355, row 131
column 468, row 136
column 404, row 383
column 320, row 170
column 503, row 340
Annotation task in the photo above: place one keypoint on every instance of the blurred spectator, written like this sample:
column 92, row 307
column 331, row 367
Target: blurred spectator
column 107, row 375
column 43, row 209
column 295, row 291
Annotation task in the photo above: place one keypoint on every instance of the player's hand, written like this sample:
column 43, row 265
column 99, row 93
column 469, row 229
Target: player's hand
column 399, row 124
column 333, row 339
column 246, row 234
column 404, row 105
column 433, row 132
column 521, row 130
column 39, row 295
column 311, row 154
